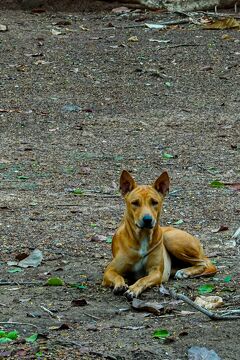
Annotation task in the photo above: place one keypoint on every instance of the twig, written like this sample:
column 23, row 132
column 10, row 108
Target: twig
column 210, row 314
column 50, row 312
column 13, row 283
column 17, row 323
column 92, row 316
column 180, row 45
column 126, row 327
column 166, row 23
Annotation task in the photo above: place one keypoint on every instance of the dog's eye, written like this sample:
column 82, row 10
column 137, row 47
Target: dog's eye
column 135, row 203
column 154, row 202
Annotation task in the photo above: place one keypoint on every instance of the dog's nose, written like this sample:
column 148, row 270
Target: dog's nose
column 147, row 221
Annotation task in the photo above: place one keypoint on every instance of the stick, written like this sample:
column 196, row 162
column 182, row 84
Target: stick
column 50, row 312
column 12, row 283
column 210, row 314
column 17, row 323
column 92, row 316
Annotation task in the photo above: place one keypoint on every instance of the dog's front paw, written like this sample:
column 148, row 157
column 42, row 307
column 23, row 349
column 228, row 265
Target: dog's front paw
column 130, row 295
column 181, row 274
column 119, row 290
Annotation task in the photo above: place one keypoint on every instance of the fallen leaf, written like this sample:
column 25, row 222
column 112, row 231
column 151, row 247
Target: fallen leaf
column 79, row 302
column 98, row 238
column 80, row 286
column 33, row 260
column 221, row 228
column 201, row 353
column 121, row 10
column 32, row 338
column 56, row 32
column 133, row 39
column 227, row 279
column 209, row 302
column 206, row 288
column 154, row 308
column 167, row 156
column 77, row 191
column 217, row 184
column 109, row 240
column 63, row 326
column 233, row 186
column 3, row 28
column 55, row 281
column 178, row 222
column 221, row 24
column 161, row 334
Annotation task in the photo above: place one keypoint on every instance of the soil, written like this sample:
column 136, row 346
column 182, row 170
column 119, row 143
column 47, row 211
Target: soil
column 83, row 96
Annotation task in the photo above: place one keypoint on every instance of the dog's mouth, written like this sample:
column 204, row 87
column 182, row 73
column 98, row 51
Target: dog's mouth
column 145, row 226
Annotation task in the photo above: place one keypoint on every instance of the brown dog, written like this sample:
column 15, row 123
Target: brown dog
column 145, row 251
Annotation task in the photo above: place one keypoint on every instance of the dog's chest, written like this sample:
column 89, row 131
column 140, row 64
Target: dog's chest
column 142, row 252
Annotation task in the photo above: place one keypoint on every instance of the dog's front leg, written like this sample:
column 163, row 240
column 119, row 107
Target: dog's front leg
column 153, row 278
column 113, row 277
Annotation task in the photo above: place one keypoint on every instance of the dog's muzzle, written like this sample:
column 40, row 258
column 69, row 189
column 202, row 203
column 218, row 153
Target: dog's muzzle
column 147, row 222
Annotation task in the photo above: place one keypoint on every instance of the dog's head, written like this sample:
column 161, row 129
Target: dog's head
column 144, row 202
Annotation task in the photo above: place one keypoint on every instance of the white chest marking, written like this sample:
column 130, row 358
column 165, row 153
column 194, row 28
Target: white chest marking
column 143, row 256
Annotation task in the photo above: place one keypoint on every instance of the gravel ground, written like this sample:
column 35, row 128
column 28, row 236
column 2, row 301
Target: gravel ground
column 83, row 96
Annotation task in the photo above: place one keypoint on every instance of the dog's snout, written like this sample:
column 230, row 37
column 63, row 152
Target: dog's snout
column 147, row 221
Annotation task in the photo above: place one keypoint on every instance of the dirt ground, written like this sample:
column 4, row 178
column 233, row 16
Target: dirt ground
column 83, row 96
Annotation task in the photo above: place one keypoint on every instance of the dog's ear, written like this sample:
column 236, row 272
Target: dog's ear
column 127, row 183
column 162, row 183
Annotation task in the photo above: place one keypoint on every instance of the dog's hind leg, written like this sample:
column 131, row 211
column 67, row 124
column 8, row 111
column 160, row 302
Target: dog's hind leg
column 188, row 249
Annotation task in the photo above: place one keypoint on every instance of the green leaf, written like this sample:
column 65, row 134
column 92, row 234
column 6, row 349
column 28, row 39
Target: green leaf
column 109, row 240
column 161, row 334
column 78, row 192
column 2, row 333
column 168, row 84
column 55, row 281
column 39, row 354
column 14, row 270
column 227, row 279
column 32, row 338
column 206, row 288
column 4, row 340
column 78, row 286
column 93, row 225
column 22, row 177
column 178, row 222
column 217, row 184
column 13, row 335
column 167, row 156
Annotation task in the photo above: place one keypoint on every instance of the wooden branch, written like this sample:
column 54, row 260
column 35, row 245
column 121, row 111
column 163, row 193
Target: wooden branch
column 210, row 314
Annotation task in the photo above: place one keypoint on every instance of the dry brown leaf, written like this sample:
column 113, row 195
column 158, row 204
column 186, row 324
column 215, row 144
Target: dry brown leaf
column 222, row 24
column 154, row 308
column 209, row 302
